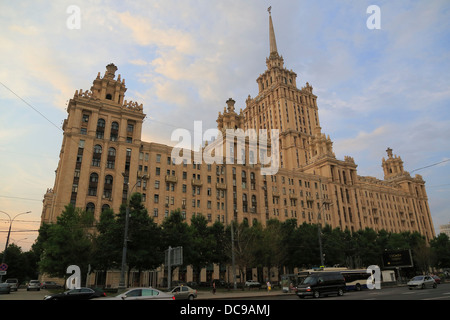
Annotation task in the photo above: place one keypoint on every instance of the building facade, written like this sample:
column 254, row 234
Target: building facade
column 103, row 159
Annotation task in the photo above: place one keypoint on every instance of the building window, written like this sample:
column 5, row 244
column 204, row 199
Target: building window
column 90, row 207
column 114, row 131
column 93, row 182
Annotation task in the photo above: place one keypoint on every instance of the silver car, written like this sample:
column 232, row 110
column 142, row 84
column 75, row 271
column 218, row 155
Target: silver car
column 143, row 294
column 34, row 285
column 421, row 282
column 13, row 284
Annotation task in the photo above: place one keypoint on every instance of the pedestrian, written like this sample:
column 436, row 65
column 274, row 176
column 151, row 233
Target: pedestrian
column 214, row 287
column 268, row 286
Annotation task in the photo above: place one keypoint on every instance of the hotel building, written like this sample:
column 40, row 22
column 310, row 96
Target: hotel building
column 103, row 158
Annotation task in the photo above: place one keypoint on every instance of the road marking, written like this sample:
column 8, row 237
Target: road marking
column 436, row 298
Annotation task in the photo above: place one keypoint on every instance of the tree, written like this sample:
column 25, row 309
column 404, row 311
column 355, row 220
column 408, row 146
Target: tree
column 203, row 243
column 440, row 248
column 176, row 233
column 68, row 242
column 107, row 244
column 144, row 250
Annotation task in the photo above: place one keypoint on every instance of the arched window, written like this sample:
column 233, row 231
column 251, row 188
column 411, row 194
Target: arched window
column 90, row 207
column 100, row 132
column 109, row 96
column 101, row 123
column 97, row 155
column 107, row 190
column 114, row 131
column 110, row 162
column 98, row 149
column 93, row 178
column 93, row 182
column 105, row 207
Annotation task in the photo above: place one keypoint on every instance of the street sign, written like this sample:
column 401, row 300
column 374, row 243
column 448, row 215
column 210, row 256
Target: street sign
column 2, row 273
column 176, row 256
column 3, row 267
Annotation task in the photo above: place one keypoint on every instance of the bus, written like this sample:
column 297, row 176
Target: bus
column 355, row 279
column 302, row 275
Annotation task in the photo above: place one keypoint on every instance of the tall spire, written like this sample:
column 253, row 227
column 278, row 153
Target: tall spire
column 273, row 41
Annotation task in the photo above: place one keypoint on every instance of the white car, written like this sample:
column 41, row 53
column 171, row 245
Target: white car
column 421, row 282
column 143, row 294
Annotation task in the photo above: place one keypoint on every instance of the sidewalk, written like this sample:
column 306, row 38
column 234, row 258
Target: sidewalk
column 239, row 293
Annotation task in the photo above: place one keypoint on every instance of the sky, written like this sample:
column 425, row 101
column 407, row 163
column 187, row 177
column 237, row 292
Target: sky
column 182, row 59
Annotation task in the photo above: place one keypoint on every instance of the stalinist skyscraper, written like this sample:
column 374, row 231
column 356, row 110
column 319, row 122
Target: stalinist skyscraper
column 103, row 158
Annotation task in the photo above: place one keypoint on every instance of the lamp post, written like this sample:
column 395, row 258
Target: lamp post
column 125, row 236
column 9, row 233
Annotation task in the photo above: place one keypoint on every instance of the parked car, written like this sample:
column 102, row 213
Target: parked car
column 143, row 294
column 183, row 293
column 77, row 294
column 322, row 283
column 421, row 282
column 13, row 284
column 252, row 284
column 50, row 285
column 5, row 288
column 34, row 285
column 436, row 279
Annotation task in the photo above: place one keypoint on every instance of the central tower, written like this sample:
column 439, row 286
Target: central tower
column 281, row 105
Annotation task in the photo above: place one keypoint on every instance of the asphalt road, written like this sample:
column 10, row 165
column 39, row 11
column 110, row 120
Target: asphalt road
column 442, row 292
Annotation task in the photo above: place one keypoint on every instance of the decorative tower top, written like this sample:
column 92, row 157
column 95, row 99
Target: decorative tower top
column 273, row 41
column 110, row 71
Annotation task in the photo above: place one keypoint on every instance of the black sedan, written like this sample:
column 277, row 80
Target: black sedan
column 77, row 294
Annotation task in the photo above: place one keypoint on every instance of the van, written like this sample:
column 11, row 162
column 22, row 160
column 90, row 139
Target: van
column 321, row 284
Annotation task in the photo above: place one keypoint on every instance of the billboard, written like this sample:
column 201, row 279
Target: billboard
column 397, row 258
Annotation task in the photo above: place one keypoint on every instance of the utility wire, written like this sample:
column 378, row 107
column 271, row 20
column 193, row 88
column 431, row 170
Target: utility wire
column 431, row 165
column 29, row 104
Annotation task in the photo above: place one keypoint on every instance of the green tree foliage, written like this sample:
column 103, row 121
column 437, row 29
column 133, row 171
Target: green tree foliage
column 67, row 242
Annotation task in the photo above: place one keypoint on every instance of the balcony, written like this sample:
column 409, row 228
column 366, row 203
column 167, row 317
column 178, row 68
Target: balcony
column 197, row 182
column 221, row 186
column 171, row 179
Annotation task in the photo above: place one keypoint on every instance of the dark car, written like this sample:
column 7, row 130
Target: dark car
column 50, row 285
column 321, row 284
column 77, row 294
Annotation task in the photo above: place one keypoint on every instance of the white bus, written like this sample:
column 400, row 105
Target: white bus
column 355, row 279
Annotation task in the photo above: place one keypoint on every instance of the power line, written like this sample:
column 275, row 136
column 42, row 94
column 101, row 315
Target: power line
column 31, row 106
column 431, row 165
column 20, row 198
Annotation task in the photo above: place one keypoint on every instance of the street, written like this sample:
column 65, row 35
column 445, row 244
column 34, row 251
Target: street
column 442, row 292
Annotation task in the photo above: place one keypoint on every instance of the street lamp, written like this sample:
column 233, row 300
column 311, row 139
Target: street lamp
column 125, row 236
column 9, row 233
